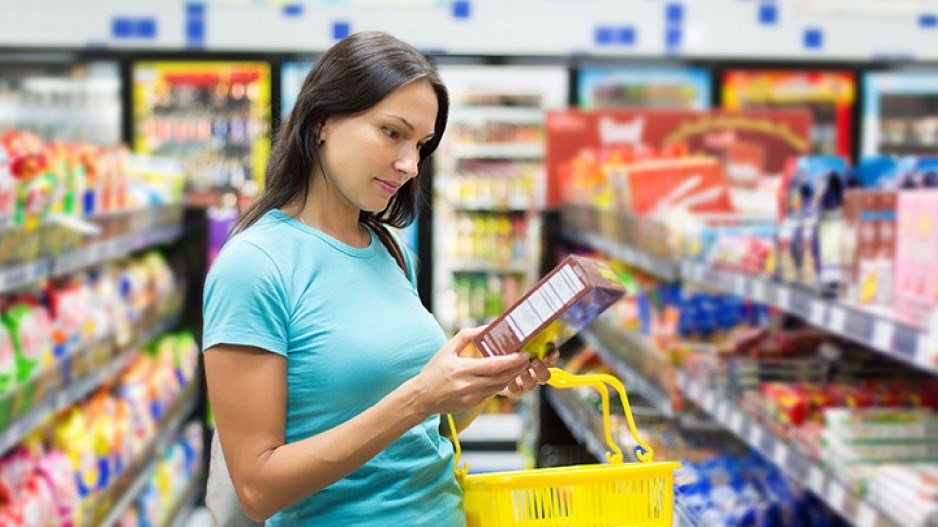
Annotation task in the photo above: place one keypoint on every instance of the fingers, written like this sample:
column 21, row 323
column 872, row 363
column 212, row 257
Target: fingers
column 460, row 342
column 540, row 371
column 551, row 359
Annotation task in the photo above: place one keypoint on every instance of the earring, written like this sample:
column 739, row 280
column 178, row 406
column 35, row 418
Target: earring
column 319, row 141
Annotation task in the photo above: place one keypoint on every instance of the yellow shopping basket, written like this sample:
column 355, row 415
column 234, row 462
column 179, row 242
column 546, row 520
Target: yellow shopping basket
column 601, row 495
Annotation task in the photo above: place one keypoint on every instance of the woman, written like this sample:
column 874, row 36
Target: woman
column 326, row 375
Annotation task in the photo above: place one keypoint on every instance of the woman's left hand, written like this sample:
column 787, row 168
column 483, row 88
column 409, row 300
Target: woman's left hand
column 537, row 373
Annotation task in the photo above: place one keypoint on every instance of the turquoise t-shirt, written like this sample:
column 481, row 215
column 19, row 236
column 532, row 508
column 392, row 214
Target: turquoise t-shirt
column 352, row 329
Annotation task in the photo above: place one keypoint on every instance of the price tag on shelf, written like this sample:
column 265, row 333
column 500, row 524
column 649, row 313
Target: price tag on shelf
column 708, row 401
column 883, row 331
column 723, row 413
column 755, row 437
column 926, row 350
column 783, row 297
column 758, row 290
column 838, row 319
column 696, row 391
column 736, row 421
column 816, row 480
column 739, row 285
column 836, row 496
column 866, row 516
column 780, row 454
column 817, row 313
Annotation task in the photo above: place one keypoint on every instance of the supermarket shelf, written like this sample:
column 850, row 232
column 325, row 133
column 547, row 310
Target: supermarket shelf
column 485, row 266
column 499, row 151
column 576, row 416
column 19, row 275
column 92, row 255
column 69, row 396
column 169, row 428
column 500, row 114
column 608, row 342
column 880, row 332
column 114, row 249
column 654, row 265
column 838, row 496
column 79, row 389
column 492, row 206
column 494, row 428
column 883, row 334
column 162, row 236
column 184, row 508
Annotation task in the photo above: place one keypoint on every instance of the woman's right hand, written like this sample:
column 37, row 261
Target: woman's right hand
column 451, row 383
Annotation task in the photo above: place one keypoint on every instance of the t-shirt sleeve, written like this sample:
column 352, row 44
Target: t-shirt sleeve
column 244, row 301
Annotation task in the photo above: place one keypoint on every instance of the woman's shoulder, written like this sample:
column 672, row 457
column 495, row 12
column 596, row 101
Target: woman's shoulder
column 253, row 250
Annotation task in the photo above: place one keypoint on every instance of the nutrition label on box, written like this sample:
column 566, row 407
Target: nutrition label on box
column 579, row 285
column 544, row 302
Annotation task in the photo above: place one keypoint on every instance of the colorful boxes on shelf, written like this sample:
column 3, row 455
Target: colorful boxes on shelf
column 916, row 277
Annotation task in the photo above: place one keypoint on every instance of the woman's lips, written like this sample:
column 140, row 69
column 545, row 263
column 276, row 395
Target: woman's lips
column 387, row 186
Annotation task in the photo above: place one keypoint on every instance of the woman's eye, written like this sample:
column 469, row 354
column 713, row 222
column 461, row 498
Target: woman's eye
column 390, row 132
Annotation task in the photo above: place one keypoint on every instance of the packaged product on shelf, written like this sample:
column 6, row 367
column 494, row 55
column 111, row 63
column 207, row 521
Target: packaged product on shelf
column 55, row 469
column 861, row 424
column 869, row 246
column 916, row 277
column 7, row 190
column 811, row 229
column 31, row 333
column 9, row 375
column 911, row 488
column 561, row 304
column 737, row 491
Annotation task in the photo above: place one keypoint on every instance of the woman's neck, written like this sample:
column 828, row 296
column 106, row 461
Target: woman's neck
column 330, row 213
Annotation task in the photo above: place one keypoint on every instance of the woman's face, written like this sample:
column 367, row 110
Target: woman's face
column 368, row 156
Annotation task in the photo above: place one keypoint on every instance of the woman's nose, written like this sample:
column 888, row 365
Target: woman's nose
column 407, row 164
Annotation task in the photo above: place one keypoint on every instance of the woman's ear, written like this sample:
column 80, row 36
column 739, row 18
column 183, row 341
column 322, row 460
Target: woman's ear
column 322, row 132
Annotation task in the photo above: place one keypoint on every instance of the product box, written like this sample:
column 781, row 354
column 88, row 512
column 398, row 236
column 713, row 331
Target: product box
column 916, row 277
column 654, row 187
column 882, row 424
column 571, row 296
column 869, row 245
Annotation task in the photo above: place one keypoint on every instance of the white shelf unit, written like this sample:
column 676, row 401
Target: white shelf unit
column 493, row 157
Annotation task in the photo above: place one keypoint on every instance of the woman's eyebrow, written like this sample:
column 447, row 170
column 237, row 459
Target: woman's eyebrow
column 407, row 123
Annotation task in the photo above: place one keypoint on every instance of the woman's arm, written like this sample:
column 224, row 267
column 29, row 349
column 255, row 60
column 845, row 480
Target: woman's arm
column 248, row 391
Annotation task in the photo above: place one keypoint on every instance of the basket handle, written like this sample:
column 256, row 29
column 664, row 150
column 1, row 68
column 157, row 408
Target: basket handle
column 562, row 379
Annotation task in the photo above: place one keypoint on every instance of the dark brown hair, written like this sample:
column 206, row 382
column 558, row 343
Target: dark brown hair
column 351, row 77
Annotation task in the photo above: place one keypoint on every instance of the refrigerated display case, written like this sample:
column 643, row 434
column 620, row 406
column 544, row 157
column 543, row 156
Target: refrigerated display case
column 830, row 95
column 292, row 75
column 900, row 113
column 213, row 115
column 489, row 187
column 62, row 99
column 644, row 87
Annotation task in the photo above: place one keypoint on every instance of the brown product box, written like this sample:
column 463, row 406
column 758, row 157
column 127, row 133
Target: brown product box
column 870, row 217
column 876, row 247
column 852, row 206
column 571, row 296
